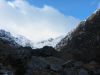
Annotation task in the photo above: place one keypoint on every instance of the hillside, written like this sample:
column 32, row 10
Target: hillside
column 84, row 42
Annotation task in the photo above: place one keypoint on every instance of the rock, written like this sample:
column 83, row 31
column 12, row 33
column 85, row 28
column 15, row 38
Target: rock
column 91, row 65
column 56, row 67
column 52, row 60
column 78, row 64
column 83, row 72
column 55, row 63
column 5, row 70
column 75, row 71
column 36, row 63
column 70, row 71
column 96, row 72
column 46, row 51
column 68, row 64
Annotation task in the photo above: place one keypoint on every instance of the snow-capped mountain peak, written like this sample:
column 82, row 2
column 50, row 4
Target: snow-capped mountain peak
column 20, row 40
column 23, row 41
column 50, row 42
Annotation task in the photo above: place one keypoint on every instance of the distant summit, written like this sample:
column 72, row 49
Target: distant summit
column 49, row 42
column 20, row 40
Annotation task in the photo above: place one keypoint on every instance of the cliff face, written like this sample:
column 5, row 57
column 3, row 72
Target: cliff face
column 84, row 41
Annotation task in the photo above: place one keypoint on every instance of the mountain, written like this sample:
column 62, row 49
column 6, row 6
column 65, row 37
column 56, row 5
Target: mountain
column 83, row 43
column 14, row 41
column 79, row 52
column 19, row 40
column 50, row 42
column 6, row 39
column 63, row 42
column 23, row 41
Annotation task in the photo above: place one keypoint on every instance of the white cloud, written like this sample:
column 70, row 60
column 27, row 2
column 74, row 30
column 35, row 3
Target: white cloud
column 33, row 22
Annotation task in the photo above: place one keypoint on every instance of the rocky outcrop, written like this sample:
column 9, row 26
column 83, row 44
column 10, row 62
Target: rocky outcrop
column 45, row 52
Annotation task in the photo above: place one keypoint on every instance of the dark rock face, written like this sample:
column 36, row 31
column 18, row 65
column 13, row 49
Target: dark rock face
column 45, row 52
column 5, row 70
column 56, row 67
column 84, row 41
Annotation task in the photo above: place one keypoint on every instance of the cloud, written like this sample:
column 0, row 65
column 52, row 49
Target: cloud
column 33, row 22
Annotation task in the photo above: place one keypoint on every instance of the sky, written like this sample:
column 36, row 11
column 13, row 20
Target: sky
column 42, row 19
column 77, row 8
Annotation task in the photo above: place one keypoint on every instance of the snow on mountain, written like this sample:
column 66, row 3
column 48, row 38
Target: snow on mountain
column 23, row 41
column 50, row 42
column 64, row 41
column 6, row 36
column 19, row 40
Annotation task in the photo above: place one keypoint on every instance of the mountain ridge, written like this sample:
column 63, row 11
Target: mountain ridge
column 23, row 41
column 84, row 41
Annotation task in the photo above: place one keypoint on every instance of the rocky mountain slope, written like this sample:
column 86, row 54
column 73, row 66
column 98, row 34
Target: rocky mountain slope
column 17, row 41
column 84, row 42
column 7, row 39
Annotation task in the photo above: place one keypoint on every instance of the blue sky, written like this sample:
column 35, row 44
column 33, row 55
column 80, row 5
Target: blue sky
column 77, row 8
column 42, row 19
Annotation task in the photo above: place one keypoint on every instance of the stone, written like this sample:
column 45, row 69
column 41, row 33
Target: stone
column 56, row 67
column 83, row 72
